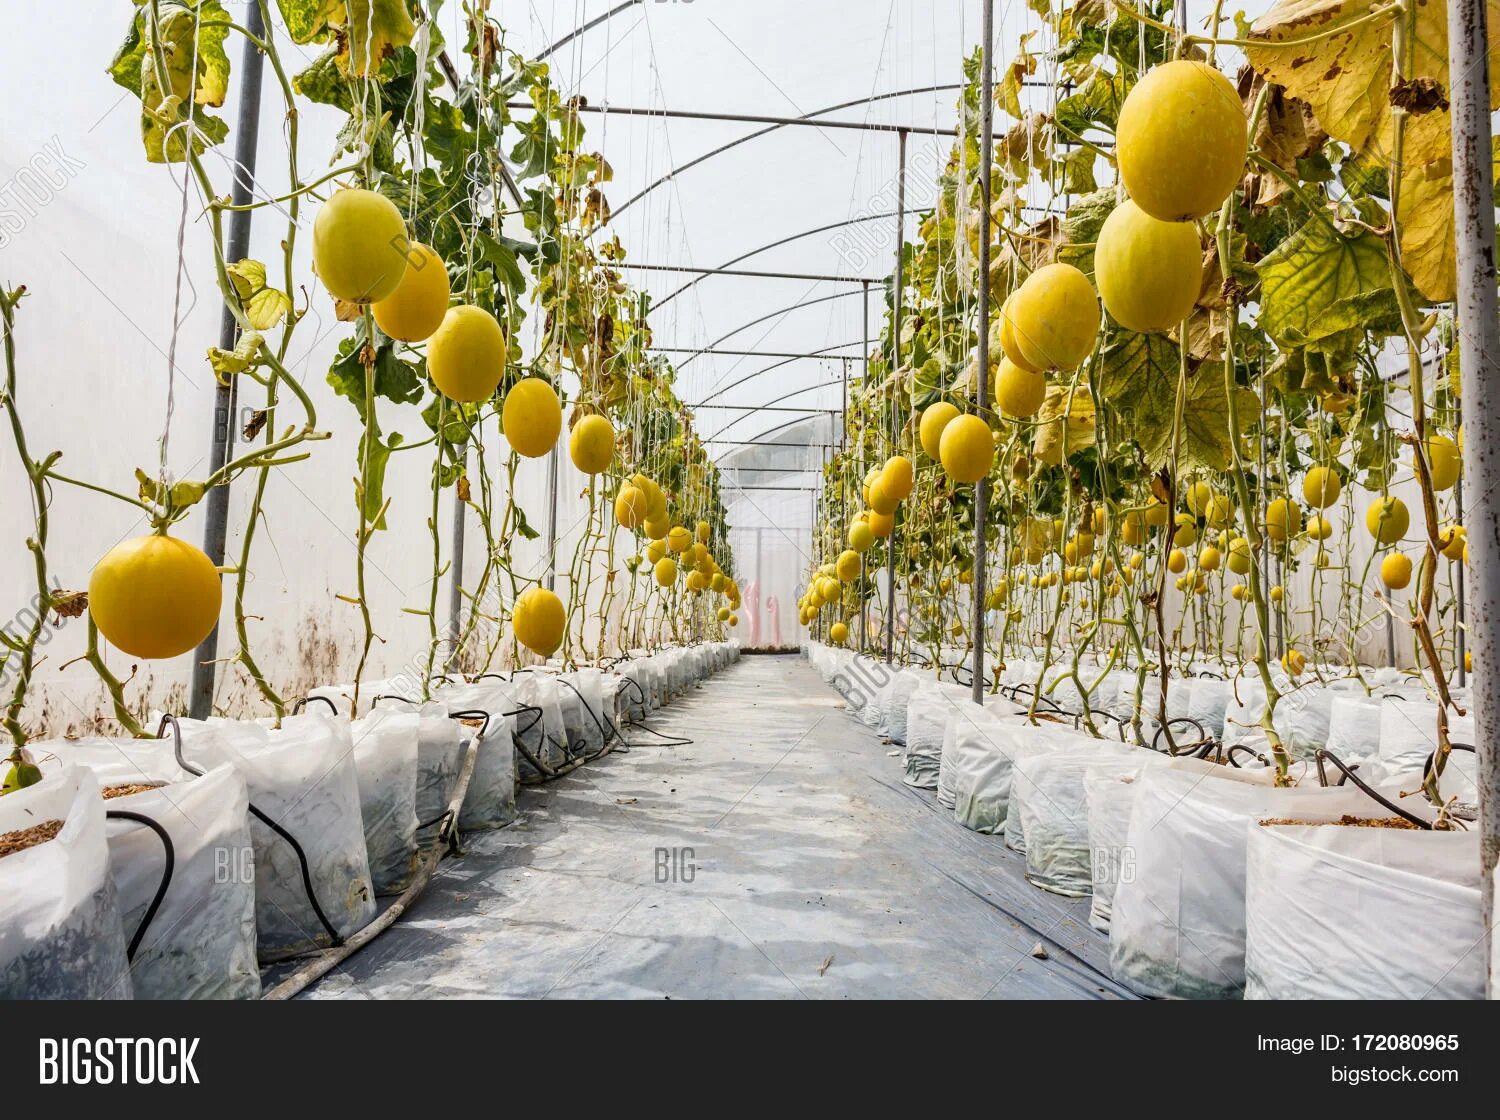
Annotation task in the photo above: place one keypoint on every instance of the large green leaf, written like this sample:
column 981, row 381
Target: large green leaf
column 1322, row 281
column 365, row 32
column 1138, row 376
column 197, row 75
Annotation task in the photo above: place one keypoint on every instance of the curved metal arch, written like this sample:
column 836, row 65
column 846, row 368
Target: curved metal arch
column 670, row 175
column 767, row 248
column 750, row 408
column 773, row 431
column 794, row 307
column 593, row 23
column 785, row 361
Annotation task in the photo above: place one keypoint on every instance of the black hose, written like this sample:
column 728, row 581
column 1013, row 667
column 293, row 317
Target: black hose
column 301, row 704
column 1322, row 753
column 307, row 884
column 170, row 855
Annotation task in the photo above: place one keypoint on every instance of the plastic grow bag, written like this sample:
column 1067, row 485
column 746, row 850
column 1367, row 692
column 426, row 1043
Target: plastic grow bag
column 303, row 779
column 927, row 716
column 491, row 798
column 544, row 736
column 1048, row 791
column 200, row 942
column 1177, row 929
column 1408, row 736
column 440, row 758
column 60, row 932
column 1338, row 912
column 1109, row 795
column 979, row 758
column 1208, row 699
column 385, row 759
column 1354, row 731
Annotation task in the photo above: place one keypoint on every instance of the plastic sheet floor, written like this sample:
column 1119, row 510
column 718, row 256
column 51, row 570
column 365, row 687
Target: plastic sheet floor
column 779, row 855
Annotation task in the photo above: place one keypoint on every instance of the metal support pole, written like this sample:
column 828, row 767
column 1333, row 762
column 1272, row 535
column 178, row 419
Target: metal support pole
column 552, row 518
column 982, row 386
column 1463, row 627
column 900, row 279
column 216, row 503
column 864, row 602
column 456, row 562
column 1479, row 358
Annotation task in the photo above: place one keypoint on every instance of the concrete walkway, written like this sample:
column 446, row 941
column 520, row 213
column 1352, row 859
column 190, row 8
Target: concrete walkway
column 779, row 855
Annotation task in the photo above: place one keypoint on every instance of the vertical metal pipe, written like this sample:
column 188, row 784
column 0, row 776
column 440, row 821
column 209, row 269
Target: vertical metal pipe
column 864, row 602
column 552, row 517
column 1462, row 628
column 982, row 382
column 456, row 562
column 1479, row 358
column 216, row 503
column 900, row 279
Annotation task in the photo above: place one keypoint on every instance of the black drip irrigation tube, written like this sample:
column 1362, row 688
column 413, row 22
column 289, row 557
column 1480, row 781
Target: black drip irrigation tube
column 170, row 856
column 307, row 883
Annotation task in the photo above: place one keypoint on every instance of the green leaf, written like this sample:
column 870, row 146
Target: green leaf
column 395, row 380
column 1081, row 228
column 373, row 497
column 238, row 360
column 1321, row 281
column 523, row 526
column 365, row 32
column 501, row 254
column 1138, row 378
column 183, row 40
column 264, row 306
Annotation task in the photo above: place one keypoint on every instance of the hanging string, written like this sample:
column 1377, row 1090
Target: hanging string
column 187, row 132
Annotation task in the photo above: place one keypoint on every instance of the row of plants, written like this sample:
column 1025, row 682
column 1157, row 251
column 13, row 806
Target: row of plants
column 444, row 228
column 1222, row 424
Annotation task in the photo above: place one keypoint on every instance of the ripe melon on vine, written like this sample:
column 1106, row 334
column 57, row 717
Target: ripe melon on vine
column 861, row 536
column 630, row 507
column 896, row 477
column 967, row 449
column 665, row 571
column 417, row 307
column 882, row 524
column 466, row 354
column 1387, row 519
column 1055, row 318
column 880, row 500
column 1181, row 141
column 531, row 417
column 1321, row 487
column 848, row 566
column 538, row 620
column 1019, row 392
column 656, row 500
column 359, row 246
column 935, row 417
column 1443, row 462
column 1149, row 272
column 592, row 444
column 154, row 596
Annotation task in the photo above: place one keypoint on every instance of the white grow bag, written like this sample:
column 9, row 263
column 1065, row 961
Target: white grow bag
column 200, row 943
column 303, row 778
column 1408, row 735
column 1178, row 926
column 977, row 765
column 927, row 715
column 385, row 759
column 490, row 801
column 1048, row 791
column 1109, row 794
column 1362, row 913
column 1354, row 732
column 60, row 932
